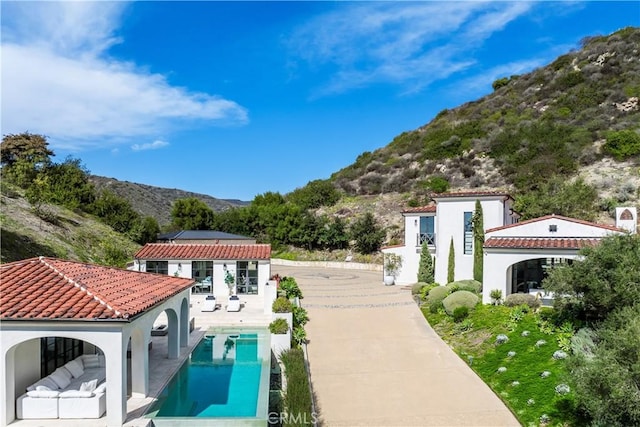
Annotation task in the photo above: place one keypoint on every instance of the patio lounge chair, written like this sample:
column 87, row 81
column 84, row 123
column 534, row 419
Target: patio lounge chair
column 209, row 303
column 234, row 303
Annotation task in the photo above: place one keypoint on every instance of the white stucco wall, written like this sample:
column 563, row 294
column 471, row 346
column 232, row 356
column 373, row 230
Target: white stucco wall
column 450, row 223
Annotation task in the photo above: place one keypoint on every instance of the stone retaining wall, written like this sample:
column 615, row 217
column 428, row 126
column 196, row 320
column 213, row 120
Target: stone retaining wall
column 327, row 264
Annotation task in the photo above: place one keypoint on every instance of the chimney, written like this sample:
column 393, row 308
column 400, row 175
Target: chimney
column 627, row 219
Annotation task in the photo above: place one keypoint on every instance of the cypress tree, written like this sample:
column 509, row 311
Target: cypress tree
column 425, row 269
column 478, row 242
column 451, row 267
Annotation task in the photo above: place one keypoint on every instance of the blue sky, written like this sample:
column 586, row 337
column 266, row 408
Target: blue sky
column 233, row 99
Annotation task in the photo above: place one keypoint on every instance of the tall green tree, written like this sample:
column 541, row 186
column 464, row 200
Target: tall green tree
column 425, row 268
column 478, row 241
column 607, row 279
column 191, row 213
column 451, row 264
column 315, row 194
column 22, row 156
column 367, row 234
column 115, row 211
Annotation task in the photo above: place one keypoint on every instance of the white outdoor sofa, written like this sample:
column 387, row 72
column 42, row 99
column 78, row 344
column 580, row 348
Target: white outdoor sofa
column 77, row 390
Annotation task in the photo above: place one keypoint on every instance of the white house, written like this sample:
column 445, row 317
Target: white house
column 54, row 312
column 208, row 265
column 449, row 218
column 516, row 254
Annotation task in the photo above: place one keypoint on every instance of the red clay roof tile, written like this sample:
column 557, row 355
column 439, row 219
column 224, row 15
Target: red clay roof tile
column 167, row 251
column 540, row 243
column 50, row 288
column 421, row 209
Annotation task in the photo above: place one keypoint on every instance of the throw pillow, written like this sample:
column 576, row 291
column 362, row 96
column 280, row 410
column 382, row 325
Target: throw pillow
column 90, row 361
column 48, row 382
column 101, row 388
column 75, row 367
column 89, row 385
column 43, row 388
column 60, row 377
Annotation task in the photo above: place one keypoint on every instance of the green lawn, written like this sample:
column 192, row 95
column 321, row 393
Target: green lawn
column 532, row 398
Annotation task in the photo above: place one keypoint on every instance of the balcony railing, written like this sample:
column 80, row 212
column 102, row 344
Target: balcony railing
column 430, row 238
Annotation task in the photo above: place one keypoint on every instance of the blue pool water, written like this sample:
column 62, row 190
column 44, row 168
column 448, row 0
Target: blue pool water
column 220, row 379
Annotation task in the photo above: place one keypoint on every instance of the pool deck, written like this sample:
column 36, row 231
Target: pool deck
column 375, row 361
column 161, row 369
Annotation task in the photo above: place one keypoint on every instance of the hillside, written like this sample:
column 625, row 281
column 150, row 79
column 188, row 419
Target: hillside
column 157, row 201
column 65, row 234
column 552, row 121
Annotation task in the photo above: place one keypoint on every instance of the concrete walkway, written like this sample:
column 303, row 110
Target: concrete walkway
column 375, row 361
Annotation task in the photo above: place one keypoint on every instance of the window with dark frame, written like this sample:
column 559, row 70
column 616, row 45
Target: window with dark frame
column 247, row 277
column 468, row 233
column 57, row 351
column 160, row 267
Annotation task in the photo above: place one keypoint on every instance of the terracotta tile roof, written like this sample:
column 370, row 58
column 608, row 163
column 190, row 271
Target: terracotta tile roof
column 421, row 209
column 471, row 194
column 553, row 216
column 167, row 251
column 50, row 288
column 540, row 243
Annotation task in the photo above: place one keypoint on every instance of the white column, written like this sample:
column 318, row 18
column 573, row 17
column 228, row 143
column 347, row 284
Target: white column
column 139, row 364
column 115, row 351
column 173, row 336
column 7, row 380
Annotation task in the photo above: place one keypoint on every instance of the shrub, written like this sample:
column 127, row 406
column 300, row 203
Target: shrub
column 290, row 288
column 460, row 299
column 279, row 326
column 460, row 313
column 424, row 292
column 300, row 316
column 514, row 300
column 416, row 288
column 438, row 293
column 466, row 285
column 622, row 144
column 282, row 305
column 496, row 296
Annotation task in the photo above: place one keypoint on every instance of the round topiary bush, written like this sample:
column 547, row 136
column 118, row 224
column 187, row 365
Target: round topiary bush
column 438, row 293
column 460, row 299
column 282, row 305
column 514, row 300
column 466, row 285
column 417, row 287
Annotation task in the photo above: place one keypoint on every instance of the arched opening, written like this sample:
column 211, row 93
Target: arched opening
column 527, row 276
column 55, row 376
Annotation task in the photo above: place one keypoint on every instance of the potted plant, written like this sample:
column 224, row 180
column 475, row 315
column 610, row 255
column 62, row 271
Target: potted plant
column 392, row 264
column 230, row 282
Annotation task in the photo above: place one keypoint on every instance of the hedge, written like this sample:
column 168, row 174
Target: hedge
column 514, row 300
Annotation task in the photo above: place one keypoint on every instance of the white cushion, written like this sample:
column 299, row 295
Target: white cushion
column 75, row 393
column 90, row 361
column 43, row 393
column 75, row 368
column 60, row 377
column 43, row 388
column 89, row 385
column 101, row 388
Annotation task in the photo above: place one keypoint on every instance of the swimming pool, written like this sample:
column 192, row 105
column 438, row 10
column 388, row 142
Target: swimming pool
column 225, row 377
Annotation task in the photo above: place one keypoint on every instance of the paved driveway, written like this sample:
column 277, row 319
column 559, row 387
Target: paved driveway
column 375, row 361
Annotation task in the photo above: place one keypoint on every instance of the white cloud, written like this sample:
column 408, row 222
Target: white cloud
column 407, row 44
column 150, row 145
column 58, row 80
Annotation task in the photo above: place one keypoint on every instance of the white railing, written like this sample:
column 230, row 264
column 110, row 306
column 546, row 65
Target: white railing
column 429, row 238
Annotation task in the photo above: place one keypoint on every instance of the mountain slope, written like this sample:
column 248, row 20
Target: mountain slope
column 552, row 121
column 157, row 201
column 64, row 234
